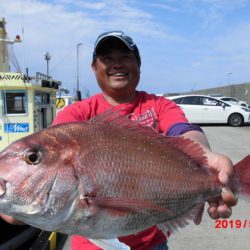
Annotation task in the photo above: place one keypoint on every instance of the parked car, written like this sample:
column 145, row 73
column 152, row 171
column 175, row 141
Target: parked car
column 233, row 101
column 203, row 109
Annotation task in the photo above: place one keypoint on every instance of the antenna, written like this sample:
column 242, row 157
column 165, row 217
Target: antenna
column 78, row 92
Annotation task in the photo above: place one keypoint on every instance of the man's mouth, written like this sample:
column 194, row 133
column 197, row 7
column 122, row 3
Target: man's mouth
column 118, row 74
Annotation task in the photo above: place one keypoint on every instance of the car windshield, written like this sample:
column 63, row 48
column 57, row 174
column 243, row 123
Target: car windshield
column 227, row 99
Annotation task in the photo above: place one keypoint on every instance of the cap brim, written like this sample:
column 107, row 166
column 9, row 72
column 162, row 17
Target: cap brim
column 99, row 42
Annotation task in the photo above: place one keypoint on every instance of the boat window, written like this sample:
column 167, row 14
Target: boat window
column 15, row 102
column 42, row 98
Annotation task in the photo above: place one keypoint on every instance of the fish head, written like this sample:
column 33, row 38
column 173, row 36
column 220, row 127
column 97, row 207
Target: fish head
column 37, row 176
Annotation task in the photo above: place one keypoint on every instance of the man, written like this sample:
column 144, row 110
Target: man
column 116, row 64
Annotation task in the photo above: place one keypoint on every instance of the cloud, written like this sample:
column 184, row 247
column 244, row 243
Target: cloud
column 213, row 12
column 184, row 41
column 58, row 26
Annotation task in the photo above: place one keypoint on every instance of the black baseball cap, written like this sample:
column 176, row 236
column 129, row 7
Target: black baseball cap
column 127, row 40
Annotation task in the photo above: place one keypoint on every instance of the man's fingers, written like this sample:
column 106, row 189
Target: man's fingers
column 220, row 210
column 224, row 211
column 212, row 210
column 223, row 177
column 228, row 197
column 11, row 220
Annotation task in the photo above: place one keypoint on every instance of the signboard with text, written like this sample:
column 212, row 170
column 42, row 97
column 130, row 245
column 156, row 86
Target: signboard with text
column 16, row 127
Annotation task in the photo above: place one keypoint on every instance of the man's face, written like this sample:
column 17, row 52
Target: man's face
column 117, row 72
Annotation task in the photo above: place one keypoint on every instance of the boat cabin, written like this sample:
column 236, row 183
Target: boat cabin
column 27, row 104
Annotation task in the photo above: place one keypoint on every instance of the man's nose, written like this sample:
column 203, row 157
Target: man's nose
column 117, row 62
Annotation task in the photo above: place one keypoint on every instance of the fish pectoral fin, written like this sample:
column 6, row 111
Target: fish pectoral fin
column 122, row 206
column 110, row 244
column 199, row 212
column 175, row 224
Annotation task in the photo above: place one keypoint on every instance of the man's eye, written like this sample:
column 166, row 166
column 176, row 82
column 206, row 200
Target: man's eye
column 127, row 57
column 106, row 59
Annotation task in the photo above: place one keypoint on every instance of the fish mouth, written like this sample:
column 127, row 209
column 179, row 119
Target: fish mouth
column 2, row 187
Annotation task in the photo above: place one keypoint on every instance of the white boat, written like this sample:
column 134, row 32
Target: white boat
column 27, row 104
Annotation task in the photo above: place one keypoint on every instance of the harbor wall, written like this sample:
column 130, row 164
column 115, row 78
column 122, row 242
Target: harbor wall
column 239, row 91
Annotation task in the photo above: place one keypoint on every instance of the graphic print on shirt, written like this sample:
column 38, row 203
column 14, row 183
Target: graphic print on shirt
column 148, row 118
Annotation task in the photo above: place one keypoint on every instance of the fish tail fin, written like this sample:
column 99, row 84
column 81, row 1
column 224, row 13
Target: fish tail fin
column 242, row 169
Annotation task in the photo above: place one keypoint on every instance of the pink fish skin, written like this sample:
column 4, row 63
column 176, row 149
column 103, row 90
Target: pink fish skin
column 108, row 177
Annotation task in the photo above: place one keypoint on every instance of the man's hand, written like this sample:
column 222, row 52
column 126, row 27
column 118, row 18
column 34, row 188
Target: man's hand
column 10, row 220
column 220, row 207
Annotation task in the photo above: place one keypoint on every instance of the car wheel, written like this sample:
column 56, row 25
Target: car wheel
column 235, row 120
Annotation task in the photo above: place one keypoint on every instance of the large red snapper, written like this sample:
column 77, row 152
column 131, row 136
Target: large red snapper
column 107, row 177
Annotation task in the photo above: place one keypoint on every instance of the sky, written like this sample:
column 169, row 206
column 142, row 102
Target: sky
column 184, row 44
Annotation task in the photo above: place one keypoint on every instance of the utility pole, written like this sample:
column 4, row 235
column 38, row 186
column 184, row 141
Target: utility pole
column 77, row 80
column 228, row 77
column 47, row 57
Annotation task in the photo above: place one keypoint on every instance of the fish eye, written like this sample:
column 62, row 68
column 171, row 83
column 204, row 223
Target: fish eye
column 32, row 156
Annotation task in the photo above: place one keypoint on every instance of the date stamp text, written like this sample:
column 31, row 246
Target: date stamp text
column 223, row 224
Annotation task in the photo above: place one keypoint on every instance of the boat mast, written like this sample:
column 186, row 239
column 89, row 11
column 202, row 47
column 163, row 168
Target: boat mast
column 4, row 59
column 4, row 41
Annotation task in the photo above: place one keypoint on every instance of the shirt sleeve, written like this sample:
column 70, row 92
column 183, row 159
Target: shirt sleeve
column 73, row 113
column 182, row 128
column 169, row 114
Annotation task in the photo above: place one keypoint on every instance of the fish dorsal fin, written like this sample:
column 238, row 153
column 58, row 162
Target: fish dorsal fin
column 113, row 117
column 187, row 146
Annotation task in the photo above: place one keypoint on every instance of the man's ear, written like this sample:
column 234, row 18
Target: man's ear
column 93, row 66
